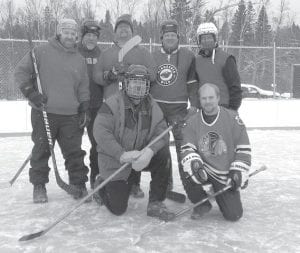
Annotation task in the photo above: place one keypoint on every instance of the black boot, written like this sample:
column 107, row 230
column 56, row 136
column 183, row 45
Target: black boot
column 82, row 192
column 40, row 194
column 201, row 210
column 136, row 191
column 158, row 209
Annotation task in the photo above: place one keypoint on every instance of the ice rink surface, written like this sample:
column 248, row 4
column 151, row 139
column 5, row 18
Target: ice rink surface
column 271, row 221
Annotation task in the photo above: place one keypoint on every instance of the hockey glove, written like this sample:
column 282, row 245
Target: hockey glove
column 144, row 160
column 193, row 168
column 129, row 156
column 37, row 99
column 84, row 116
column 110, row 76
column 238, row 175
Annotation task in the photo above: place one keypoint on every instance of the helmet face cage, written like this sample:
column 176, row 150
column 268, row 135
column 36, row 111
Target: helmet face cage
column 137, row 86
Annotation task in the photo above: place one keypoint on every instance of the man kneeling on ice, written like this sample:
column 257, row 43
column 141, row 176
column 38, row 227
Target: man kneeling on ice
column 124, row 125
column 215, row 150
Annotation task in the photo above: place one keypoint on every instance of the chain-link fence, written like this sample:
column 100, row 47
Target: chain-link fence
column 261, row 66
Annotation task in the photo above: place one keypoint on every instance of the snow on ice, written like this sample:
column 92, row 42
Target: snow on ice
column 271, row 221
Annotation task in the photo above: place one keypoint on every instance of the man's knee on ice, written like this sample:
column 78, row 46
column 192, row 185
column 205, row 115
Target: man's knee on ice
column 118, row 208
column 233, row 215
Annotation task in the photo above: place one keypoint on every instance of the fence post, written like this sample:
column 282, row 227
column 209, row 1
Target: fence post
column 274, row 69
column 150, row 45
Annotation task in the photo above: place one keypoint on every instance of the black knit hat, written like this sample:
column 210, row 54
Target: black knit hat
column 125, row 18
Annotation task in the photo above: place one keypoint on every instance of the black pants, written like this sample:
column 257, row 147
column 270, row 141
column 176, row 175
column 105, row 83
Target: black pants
column 64, row 129
column 229, row 202
column 93, row 150
column 115, row 194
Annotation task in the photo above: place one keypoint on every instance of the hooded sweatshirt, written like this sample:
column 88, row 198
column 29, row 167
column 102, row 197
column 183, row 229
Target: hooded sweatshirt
column 63, row 75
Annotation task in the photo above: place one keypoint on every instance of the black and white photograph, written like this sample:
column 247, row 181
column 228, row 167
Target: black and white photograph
column 149, row 126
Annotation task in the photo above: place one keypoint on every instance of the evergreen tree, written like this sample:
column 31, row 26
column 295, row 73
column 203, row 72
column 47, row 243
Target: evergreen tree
column 224, row 33
column 181, row 12
column 249, row 27
column 238, row 24
column 263, row 33
column 107, row 30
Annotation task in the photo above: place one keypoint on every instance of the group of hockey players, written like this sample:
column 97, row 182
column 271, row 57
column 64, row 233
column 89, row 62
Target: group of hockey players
column 127, row 102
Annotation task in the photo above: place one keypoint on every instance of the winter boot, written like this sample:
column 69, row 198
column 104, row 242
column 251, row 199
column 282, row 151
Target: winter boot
column 200, row 210
column 159, row 209
column 40, row 194
column 82, row 192
column 96, row 196
column 137, row 192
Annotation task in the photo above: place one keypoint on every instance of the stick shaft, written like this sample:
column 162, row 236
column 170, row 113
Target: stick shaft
column 20, row 169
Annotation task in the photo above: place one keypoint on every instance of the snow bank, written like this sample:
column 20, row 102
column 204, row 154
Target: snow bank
column 263, row 113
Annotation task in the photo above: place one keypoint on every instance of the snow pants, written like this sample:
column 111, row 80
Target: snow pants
column 93, row 150
column 64, row 129
column 229, row 202
column 115, row 194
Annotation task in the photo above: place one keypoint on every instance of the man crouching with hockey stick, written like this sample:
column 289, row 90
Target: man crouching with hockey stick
column 125, row 124
column 215, row 150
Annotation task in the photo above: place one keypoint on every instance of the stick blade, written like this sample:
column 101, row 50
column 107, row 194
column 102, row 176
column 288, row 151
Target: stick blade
column 176, row 196
column 31, row 236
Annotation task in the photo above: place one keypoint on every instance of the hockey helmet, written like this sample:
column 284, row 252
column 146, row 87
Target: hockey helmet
column 90, row 26
column 137, row 82
column 207, row 28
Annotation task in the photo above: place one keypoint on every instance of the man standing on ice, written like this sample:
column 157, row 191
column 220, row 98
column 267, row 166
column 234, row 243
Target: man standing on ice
column 90, row 32
column 176, row 82
column 215, row 150
column 109, row 72
column 213, row 65
column 125, row 124
column 65, row 98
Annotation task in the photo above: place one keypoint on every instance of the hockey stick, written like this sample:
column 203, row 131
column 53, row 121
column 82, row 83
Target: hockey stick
column 176, row 196
column 134, row 41
column 66, row 214
column 10, row 183
column 185, row 210
column 68, row 188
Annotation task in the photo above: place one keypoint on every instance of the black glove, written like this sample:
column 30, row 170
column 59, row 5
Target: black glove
column 84, row 116
column 235, row 177
column 37, row 99
column 110, row 76
column 84, row 119
column 199, row 171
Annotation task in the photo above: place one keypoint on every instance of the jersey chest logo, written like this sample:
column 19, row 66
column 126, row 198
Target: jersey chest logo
column 212, row 144
column 91, row 61
column 167, row 74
